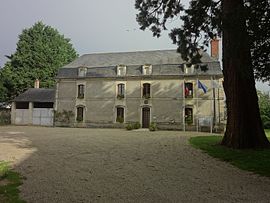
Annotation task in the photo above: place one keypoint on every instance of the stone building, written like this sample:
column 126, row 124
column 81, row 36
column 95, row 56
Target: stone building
column 113, row 89
column 34, row 107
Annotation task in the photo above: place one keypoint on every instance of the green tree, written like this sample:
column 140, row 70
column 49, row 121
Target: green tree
column 264, row 103
column 40, row 52
column 231, row 19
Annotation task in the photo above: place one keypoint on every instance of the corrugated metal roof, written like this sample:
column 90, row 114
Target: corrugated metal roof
column 36, row 95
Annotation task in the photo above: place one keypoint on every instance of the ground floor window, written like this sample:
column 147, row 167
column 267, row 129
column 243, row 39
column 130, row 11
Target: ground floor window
column 79, row 114
column 120, row 114
column 22, row 105
column 188, row 115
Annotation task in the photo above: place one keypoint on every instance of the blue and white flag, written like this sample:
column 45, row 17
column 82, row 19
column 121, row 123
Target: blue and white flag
column 202, row 86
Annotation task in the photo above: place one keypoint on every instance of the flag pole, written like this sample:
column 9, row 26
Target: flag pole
column 197, row 103
column 183, row 105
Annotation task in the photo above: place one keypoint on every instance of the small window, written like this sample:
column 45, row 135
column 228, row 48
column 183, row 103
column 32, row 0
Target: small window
column 147, row 70
column 121, row 70
column 79, row 114
column 120, row 114
column 188, row 90
column 189, row 69
column 146, row 90
column 120, row 91
column 82, row 72
column 80, row 91
column 188, row 115
column 22, row 105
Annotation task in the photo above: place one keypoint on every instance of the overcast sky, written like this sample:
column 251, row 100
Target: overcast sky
column 92, row 25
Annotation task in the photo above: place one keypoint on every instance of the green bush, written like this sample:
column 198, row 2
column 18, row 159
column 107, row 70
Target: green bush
column 153, row 126
column 5, row 117
column 132, row 126
column 4, row 168
column 136, row 125
column 129, row 127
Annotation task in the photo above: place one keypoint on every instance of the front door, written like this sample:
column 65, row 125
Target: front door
column 145, row 117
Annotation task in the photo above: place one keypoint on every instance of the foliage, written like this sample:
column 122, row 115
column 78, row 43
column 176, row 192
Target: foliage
column 132, row 126
column 153, row 126
column 264, row 103
column 129, row 126
column 136, row 125
column 240, row 23
column 257, row 161
column 202, row 21
column 9, row 192
column 4, row 168
column 41, row 51
column 5, row 117
column 64, row 116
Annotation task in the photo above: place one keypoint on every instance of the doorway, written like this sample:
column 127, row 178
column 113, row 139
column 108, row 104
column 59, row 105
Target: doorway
column 145, row 117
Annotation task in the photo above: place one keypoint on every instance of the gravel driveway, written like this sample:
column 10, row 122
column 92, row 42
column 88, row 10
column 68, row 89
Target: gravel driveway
column 112, row 165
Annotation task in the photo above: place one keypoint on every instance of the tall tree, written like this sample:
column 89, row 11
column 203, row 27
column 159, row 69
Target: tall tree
column 41, row 51
column 205, row 19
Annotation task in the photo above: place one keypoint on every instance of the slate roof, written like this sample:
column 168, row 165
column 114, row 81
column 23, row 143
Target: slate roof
column 164, row 62
column 36, row 95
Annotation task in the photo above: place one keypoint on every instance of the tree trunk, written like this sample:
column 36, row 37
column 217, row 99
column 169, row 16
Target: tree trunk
column 244, row 126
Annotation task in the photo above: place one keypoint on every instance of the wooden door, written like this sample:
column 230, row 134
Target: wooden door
column 145, row 117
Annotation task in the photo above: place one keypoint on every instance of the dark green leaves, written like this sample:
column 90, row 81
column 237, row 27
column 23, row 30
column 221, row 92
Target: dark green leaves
column 41, row 51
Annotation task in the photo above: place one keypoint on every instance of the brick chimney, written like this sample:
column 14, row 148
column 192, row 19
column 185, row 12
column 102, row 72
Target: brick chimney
column 36, row 85
column 215, row 48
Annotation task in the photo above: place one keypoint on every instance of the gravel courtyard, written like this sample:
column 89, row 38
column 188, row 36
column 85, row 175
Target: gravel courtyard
column 112, row 165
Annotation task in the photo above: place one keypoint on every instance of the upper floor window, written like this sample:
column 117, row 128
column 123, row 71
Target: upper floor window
column 121, row 70
column 82, row 72
column 80, row 91
column 189, row 69
column 79, row 114
column 147, row 70
column 121, row 91
column 146, row 90
column 188, row 90
column 120, row 114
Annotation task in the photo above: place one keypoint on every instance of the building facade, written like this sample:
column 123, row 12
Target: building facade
column 113, row 89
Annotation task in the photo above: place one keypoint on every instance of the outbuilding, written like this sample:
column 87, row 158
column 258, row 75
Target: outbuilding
column 34, row 107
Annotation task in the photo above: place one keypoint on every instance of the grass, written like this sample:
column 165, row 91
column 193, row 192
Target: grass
column 9, row 183
column 257, row 161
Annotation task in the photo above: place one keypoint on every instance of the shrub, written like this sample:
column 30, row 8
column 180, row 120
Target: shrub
column 4, row 168
column 129, row 126
column 132, row 126
column 153, row 126
column 136, row 125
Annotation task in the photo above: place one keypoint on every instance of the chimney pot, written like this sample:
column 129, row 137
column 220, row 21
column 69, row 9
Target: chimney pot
column 215, row 48
column 36, row 83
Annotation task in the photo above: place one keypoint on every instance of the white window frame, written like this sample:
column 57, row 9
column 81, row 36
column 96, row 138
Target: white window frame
column 121, row 70
column 147, row 69
column 82, row 71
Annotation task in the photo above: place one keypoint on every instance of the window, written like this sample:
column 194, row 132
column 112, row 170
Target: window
column 22, row 105
column 188, row 115
column 120, row 114
column 121, row 70
column 79, row 114
column 189, row 69
column 188, row 90
column 146, row 90
column 147, row 69
column 120, row 91
column 80, row 91
column 82, row 72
